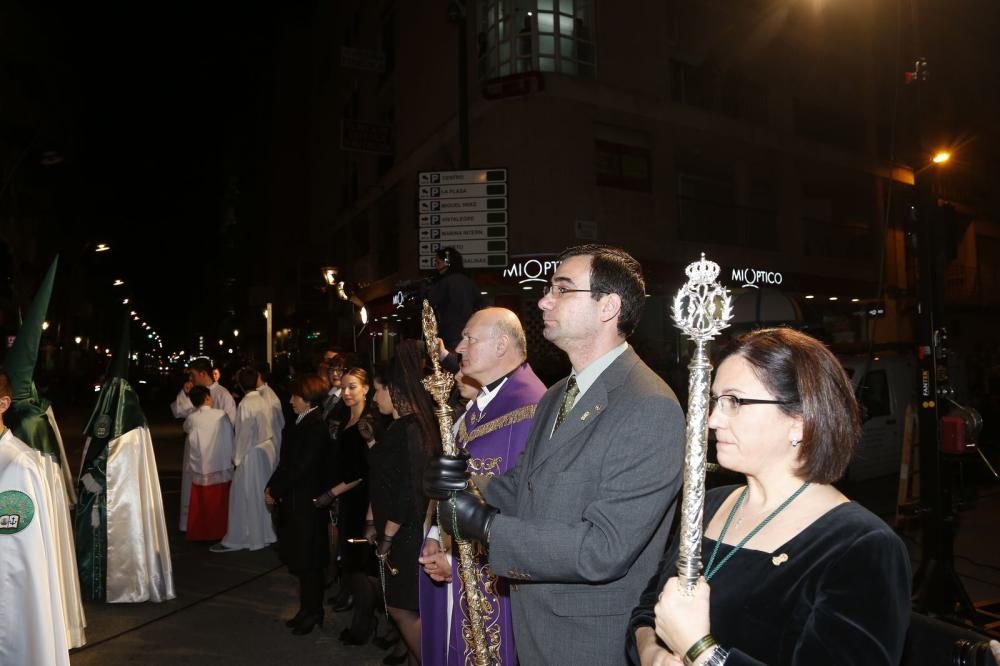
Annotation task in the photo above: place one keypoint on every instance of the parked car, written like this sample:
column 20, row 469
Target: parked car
column 885, row 384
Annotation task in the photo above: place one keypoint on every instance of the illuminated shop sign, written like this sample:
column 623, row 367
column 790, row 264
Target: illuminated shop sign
column 752, row 277
column 531, row 270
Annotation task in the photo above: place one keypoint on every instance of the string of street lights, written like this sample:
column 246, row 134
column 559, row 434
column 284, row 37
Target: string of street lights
column 151, row 334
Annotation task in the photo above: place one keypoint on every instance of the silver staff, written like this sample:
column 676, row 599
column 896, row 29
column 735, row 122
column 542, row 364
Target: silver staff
column 702, row 308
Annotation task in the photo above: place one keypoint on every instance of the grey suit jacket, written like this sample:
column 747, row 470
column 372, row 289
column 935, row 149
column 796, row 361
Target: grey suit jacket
column 584, row 516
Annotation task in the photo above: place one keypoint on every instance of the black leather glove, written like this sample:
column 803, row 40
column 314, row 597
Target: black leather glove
column 472, row 514
column 445, row 475
column 384, row 546
column 366, row 429
column 370, row 533
column 325, row 500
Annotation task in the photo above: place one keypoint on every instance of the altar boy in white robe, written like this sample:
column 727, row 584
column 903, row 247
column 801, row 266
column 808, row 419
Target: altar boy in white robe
column 199, row 374
column 31, row 600
column 255, row 459
column 210, row 461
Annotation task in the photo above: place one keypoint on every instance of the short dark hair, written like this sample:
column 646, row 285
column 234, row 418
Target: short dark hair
column 310, row 387
column 614, row 271
column 198, row 394
column 452, row 258
column 5, row 390
column 800, row 371
column 201, row 365
column 247, row 378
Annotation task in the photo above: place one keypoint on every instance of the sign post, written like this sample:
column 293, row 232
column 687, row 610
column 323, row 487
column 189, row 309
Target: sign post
column 464, row 209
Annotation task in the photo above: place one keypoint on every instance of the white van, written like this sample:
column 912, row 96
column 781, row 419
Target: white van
column 884, row 392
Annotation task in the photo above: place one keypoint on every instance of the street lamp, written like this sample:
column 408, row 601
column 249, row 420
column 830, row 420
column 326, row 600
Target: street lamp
column 330, row 275
column 941, row 157
column 117, row 283
column 102, row 247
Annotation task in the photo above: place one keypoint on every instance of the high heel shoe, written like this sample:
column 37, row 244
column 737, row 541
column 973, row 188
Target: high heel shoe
column 392, row 659
column 341, row 604
column 306, row 624
column 385, row 642
column 295, row 620
column 348, row 638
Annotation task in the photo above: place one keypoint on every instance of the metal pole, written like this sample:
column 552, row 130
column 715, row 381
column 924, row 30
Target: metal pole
column 458, row 14
column 269, row 315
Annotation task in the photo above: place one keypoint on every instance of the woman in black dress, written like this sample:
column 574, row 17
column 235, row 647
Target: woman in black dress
column 301, row 475
column 796, row 573
column 396, row 461
column 347, row 499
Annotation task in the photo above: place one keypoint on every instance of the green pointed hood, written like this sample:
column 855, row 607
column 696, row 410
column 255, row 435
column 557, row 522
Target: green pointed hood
column 20, row 362
column 117, row 410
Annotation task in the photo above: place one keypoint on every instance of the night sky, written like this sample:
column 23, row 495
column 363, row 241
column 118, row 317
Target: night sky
column 151, row 112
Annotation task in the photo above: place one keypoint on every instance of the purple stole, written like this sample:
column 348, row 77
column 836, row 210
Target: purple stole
column 494, row 441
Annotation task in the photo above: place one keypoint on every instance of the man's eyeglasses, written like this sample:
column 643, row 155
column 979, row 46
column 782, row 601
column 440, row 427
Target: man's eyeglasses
column 337, row 369
column 729, row 405
column 556, row 290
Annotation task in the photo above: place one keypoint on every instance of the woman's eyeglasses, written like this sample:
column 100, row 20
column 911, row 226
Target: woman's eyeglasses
column 729, row 405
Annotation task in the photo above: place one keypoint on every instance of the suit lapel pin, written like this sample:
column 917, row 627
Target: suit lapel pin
column 778, row 560
column 584, row 416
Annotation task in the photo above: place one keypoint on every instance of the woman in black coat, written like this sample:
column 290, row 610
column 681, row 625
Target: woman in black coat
column 302, row 474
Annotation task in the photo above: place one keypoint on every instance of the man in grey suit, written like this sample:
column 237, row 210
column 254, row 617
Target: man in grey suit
column 579, row 525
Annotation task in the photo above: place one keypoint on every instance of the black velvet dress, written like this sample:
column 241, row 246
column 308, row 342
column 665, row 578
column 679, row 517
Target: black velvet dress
column 349, row 450
column 395, row 463
column 836, row 593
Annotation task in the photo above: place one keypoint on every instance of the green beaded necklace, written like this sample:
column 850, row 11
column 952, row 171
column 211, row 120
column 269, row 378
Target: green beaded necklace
column 709, row 571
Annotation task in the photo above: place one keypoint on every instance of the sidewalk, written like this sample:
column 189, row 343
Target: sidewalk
column 230, row 607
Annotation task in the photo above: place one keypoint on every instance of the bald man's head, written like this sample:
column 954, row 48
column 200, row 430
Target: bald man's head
column 493, row 344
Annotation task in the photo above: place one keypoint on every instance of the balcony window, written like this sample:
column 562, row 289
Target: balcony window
column 536, row 36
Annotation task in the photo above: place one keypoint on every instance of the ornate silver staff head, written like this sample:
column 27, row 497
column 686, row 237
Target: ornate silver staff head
column 702, row 308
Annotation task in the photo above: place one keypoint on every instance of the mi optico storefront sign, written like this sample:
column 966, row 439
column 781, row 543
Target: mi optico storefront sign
column 531, row 269
column 753, row 278
column 540, row 269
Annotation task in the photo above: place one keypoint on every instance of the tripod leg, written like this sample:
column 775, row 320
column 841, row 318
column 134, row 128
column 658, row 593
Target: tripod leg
column 987, row 461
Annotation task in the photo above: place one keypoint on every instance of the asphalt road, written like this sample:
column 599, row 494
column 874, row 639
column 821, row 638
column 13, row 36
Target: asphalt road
column 230, row 607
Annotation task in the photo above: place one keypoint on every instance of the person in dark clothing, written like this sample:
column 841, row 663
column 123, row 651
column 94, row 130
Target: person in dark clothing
column 799, row 574
column 453, row 295
column 396, row 462
column 302, row 474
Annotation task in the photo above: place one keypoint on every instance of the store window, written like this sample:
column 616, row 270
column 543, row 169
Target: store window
column 517, row 36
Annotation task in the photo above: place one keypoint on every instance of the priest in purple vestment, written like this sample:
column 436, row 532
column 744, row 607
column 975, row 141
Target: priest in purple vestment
column 492, row 432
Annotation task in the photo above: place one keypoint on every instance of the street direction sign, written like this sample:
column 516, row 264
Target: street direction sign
column 462, row 233
column 466, row 246
column 494, row 217
column 470, row 261
column 466, row 210
column 466, row 177
column 466, row 205
column 462, row 191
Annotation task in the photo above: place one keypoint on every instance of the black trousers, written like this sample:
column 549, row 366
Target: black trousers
column 311, row 591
